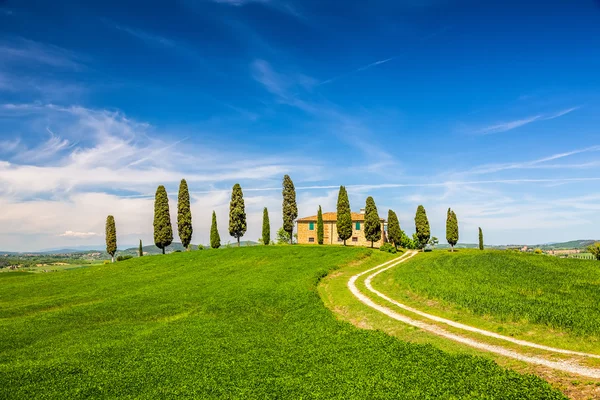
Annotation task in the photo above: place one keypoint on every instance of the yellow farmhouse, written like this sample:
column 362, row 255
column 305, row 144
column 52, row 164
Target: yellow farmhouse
column 307, row 230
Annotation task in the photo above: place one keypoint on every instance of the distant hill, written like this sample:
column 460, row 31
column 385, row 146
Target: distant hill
column 573, row 244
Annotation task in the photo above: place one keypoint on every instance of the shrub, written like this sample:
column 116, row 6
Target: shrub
column 200, row 247
column 177, row 251
column 125, row 257
column 388, row 247
column 106, row 262
column 538, row 251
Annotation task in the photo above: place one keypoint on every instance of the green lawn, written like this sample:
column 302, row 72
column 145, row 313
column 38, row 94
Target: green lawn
column 233, row 323
column 505, row 287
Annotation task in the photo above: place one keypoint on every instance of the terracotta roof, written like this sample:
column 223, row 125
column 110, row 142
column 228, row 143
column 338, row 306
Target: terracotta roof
column 332, row 217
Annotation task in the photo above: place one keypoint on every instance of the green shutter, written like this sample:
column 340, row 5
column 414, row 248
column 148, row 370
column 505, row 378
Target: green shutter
column 358, row 226
column 311, row 226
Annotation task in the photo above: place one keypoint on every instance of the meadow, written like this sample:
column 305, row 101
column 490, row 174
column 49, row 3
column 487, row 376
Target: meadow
column 230, row 323
column 554, row 293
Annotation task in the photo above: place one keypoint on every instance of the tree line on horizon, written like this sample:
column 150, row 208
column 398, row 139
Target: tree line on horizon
column 163, row 230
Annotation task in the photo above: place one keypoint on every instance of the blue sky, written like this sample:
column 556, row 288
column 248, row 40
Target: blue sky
column 490, row 108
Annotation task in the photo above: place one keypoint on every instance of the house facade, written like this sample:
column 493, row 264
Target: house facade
column 307, row 230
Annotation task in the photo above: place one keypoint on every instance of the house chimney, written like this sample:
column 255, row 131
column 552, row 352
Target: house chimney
column 362, row 210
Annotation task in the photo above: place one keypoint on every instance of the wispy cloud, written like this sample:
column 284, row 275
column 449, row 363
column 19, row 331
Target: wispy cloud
column 79, row 235
column 510, row 125
column 21, row 49
column 149, row 38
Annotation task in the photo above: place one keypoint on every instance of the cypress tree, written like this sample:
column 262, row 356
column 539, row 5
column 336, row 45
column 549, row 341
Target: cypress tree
column 266, row 230
column 394, row 231
column 320, row 227
column 480, row 239
column 237, row 213
column 141, row 249
column 344, row 216
column 111, row 237
column 163, row 231
column 215, row 239
column 184, row 215
column 372, row 222
column 289, row 209
column 423, row 232
column 451, row 229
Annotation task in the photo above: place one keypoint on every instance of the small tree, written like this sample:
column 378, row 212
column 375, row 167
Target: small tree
column 434, row 241
column 451, row 229
column 237, row 213
column 266, row 228
column 372, row 223
column 405, row 241
column 141, row 249
column 320, row 227
column 163, row 232
column 344, row 216
column 480, row 239
column 111, row 237
column 215, row 239
column 184, row 215
column 394, row 231
column 283, row 237
column 422, row 227
column 595, row 250
column 290, row 208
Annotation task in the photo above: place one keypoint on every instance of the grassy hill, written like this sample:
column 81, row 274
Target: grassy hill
column 235, row 323
column 509, row 288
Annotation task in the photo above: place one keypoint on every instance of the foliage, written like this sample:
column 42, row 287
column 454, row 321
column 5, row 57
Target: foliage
column 244, row 324
column 266, row 228
column 423, row 232
column 394, row 232
column 538, row 251
column 434, row 242
column 451, row 229
column 344, row 216
column 480, row 239
column 509, row 286
column 184, row 215
column 124, row 257
column 141, row 249
column 111, row 237
column 372, row 222
column 163, row 232
column 237, row 213
column 200, row 247
column 389, row 248
column 405, row 241
column 215, row 238
column 594, row 249
column 283, row 237
column 290, row 209
column 320, row 227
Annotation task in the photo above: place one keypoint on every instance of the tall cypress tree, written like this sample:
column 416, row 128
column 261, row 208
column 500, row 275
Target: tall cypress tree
column 423, row 233
column 394, row 231
column 320, row 227
column 266, row 229
column 141, row 249
column 451, row 229
column 344, row 216
column 289, row 209
column 237, row 213
column 111, row 237
column 372, row 222
column 480, row 239
column 163, row 231
column 215, row 239
column 184, row 215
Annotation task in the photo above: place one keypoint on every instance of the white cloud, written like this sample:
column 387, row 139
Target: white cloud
column 510, row 125
column 79, row 235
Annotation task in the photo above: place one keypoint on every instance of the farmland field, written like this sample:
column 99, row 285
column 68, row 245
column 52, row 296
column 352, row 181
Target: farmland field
column 232, row 323
column 553, row 294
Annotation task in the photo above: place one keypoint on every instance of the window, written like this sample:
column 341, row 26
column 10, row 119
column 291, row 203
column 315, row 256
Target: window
column 358, row 226
column 340, row 239
column 311, row 240
column 355, row 239
column 311, row 226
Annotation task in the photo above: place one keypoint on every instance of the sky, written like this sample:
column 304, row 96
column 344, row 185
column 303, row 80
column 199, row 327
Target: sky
column 490, row 108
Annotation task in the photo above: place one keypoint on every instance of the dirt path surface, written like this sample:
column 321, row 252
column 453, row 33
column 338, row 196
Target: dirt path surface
column 565, row 366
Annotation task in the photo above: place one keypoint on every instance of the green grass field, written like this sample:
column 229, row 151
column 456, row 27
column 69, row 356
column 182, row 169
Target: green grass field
column 554, row 293
column 233, row 323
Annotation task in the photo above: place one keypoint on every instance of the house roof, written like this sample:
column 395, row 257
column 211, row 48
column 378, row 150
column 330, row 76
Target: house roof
column 332, row 217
